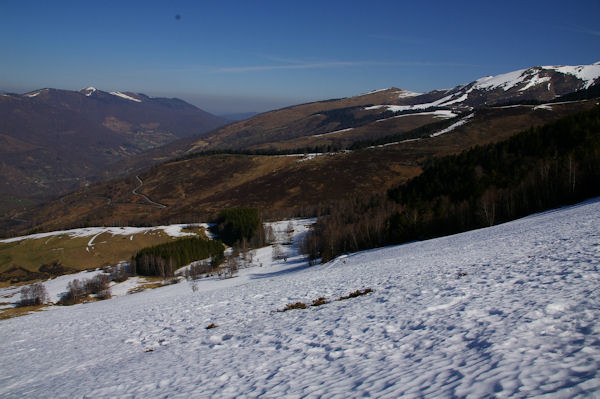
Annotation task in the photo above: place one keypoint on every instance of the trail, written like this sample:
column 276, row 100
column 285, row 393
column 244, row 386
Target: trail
column 135, row 192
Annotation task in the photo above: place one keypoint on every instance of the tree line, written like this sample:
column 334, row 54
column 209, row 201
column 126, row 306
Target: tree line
column 537, row 169
column 162, row 260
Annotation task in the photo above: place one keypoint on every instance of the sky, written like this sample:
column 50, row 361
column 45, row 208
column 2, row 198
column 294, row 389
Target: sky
column 252, row 56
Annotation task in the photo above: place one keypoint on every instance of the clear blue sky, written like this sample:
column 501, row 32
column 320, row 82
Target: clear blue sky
column 235, row 56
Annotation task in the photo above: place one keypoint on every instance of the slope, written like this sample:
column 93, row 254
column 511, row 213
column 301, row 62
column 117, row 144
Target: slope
column 193, row 188
column 506, row 311
column 54, row 141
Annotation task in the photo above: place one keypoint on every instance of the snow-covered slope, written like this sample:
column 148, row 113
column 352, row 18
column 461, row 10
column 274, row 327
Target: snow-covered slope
column 536, row 83
column 508, row 311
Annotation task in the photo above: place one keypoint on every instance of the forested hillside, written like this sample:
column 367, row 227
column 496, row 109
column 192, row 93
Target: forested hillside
column 538, row 169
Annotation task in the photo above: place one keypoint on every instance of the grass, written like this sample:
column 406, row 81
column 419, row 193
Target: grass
column 9, row 313
column 152, row 282
column 74, row 253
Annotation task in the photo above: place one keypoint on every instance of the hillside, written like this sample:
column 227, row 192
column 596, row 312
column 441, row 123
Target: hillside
column 196, row 187
column 392, row 133
column 337, row 123
column 506, row 311
column 54, row 141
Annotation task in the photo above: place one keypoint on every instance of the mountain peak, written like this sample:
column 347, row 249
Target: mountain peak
column 88, row 91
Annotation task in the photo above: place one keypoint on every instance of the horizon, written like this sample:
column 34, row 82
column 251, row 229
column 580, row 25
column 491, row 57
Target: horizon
column 238, row 57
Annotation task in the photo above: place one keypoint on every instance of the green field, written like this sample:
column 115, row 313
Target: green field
column 74, row 252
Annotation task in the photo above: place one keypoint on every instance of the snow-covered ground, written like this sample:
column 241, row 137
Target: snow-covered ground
column 173, row 230
column 507, row 311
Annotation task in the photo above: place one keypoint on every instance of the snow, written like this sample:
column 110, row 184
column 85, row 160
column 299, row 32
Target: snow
column 394, row 143
column 174, row 230
column 588, row 73
column 406, row 93
column 34, row 94
column 442, row 114
column 536, row 80
column 543, row 106
column 125, row 96
column 442, row 102
column 376, row 91
column 90, row 90
column 334, row 132
column 507, row 311
column 453, row 126
column 506, row 80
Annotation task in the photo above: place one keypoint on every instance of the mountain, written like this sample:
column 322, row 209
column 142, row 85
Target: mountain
column 346, row 120
column 299, row 159
column 54, row 141
column 240, row 116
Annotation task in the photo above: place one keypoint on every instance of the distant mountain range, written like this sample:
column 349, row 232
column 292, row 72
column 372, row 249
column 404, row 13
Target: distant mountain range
column 369, row 143
column 61, row 136
column 53, row 141
column 364, row 112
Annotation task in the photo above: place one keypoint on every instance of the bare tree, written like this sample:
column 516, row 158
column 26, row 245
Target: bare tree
column 269, row 234
column 34, row 294
column 277, row 252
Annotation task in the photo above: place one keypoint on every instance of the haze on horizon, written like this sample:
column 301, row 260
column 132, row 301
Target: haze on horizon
column 232, row 56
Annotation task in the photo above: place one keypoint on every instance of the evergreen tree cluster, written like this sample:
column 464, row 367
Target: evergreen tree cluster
column 162, row 260
column 240, row 225
column 535, row 170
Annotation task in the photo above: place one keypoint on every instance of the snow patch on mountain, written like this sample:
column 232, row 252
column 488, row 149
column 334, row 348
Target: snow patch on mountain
column 453, row 126
column 505, row 81
column 125, row 96
column 334, row 132
column 88, row 91
column 588, row 73
column 441, row 113
column 406, row 94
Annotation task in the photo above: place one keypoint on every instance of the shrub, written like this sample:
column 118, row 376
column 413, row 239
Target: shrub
column 319, row 301
column 97, row 284
column 76, row 292
column 34, row 294
column 356, row 294
column 297, row 305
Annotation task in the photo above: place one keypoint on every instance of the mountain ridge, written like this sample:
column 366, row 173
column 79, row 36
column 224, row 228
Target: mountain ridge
column 58, row 140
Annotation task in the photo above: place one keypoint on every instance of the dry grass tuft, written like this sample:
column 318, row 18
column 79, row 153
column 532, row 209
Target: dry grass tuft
column 355, row 294
column 297, row 305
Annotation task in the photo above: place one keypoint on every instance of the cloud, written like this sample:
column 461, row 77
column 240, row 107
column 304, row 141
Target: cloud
column 578, row 29
column 313, row 65
column 336, row 64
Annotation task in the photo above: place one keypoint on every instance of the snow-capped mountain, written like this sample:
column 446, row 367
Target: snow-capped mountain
column 540, row 83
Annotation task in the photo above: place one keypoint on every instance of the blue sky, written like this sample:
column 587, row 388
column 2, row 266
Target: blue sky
column 237, row 56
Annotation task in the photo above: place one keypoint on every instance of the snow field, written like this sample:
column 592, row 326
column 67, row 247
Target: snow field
column 508, row 311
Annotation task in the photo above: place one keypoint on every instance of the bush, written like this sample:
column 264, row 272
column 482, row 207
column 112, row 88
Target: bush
column 97, row 284
column 34, row 294
column 76, row 292
column 79, row 290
